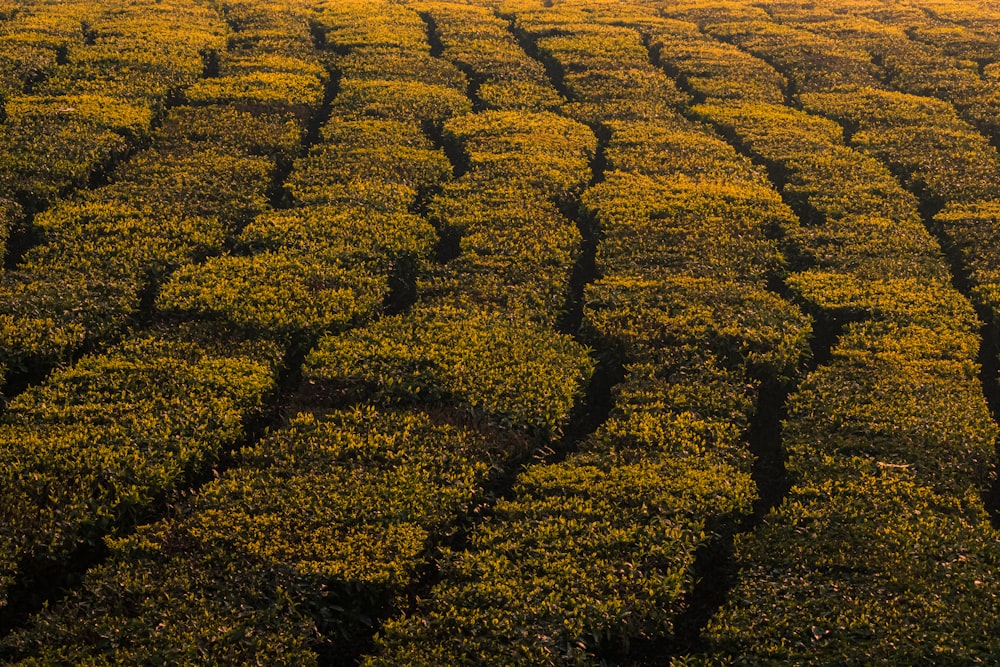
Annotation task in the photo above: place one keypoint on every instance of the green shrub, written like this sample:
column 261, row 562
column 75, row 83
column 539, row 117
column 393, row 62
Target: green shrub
column 748, row 327
column 277, row 557
column 50, row 144
column 267, row 91
column 407, row 101
column 187, row 128
column 496, row 364
column 815, row 590
column 93, row 446
column 588, row 557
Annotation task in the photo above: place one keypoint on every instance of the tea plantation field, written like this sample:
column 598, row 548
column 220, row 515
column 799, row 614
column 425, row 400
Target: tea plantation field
column 499, row 332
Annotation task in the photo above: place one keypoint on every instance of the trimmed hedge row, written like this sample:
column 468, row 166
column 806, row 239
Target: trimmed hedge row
column 327, row 263
column 712, row 69
column 501, row 75
column 815, row 589
column 591, row 59
column 915, row 59
column 480, row 337
column 277, row 550
column 97, row 443
column 814, row 62
column 809, row 153
column 93, row 446
column 100, row 73
column 596, row 552
column 493, row 363
column 941, row 157
column 516, row 250
column 172, row 205
column 318, row 532
column 889, row 442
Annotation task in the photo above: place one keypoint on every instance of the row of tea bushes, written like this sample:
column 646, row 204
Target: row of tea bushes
column 915, row 67
column 810, row 61
column 596, row 551
column 113, row 66
column 327, row 262
column 90, row 448
column 888, row 442
column 481, row 335
column 326, row 521
column 35, row 38
column 501, row 74
column 516, row 248
column 938, row 155
column 321, row 528
column 96, row 444
column 952, row 167
column 912, row 63
column 712, row 69
column 592, row 59
column 106, row 250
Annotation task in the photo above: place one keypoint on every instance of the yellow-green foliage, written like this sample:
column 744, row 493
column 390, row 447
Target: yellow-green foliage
column 590, row 555
column 408, row 101
column 868, row 224
column 261, row 91
column 814, row 589
column 926, row 415
column 77, row 103
column 605, row 69
column 705, row 13
column 90, row 448
column 514, row 257
column 480, row 43
column 209, row 182
column 684, row 405
column 280, row 293
column 387, row 152
column 372, row 25
column 516, row 249
column 142, row 49
column 109, row 237
column 336, row 511
column 542, row 152
column 747, row 325
column 667, row 147
column 725, row 231
column 354, row 237
column 709, row 68
column 813, row 61
column 267, row 29
column 46, row 318
column 904, row 300
column 499, row 365
column 50, row 143
column 921, row 137
column 390, row 64
column 186, row 128
column 85, row 279
column 11, row 218
column 317, row 269
column 972, row 231
column 699, row 228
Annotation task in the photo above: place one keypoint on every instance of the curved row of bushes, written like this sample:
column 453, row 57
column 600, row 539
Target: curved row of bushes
column 595, row 553
column 82, row 84
column 325, row 524
column 891, row 440
column 91, row 448
column 501, row 74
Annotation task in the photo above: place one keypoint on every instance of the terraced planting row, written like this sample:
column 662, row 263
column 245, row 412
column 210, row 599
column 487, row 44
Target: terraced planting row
column 520, row 332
